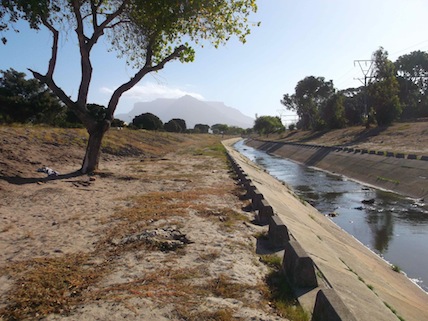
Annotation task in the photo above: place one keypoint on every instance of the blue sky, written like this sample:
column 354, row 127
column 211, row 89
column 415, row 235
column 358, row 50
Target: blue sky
column 297, row 38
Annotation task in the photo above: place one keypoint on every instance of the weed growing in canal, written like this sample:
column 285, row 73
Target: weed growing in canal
column 385, row 179
column 372, row 288
column 396, row 268
column 394, row 311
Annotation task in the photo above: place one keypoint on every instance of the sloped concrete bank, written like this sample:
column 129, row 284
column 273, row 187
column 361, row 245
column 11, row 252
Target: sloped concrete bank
column 396, row 172
column 334, row 276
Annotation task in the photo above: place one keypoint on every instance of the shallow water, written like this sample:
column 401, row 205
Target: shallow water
column 393, row 226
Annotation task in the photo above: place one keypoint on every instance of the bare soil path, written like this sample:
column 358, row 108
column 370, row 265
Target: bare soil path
column 155, row 236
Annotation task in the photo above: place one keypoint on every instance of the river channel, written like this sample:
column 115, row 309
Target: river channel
column 393, row 226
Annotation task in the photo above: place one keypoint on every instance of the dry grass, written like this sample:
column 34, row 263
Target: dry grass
column 227, row 216
column 400, row 137
column 223, row 314
column 49, row 285
column 222, row 286
column 62, row 282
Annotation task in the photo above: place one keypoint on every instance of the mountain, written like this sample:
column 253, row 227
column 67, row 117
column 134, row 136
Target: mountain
column 192, row 110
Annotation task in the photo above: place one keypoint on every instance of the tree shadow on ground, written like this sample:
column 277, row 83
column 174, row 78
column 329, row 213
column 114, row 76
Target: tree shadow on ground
column 364, row 135
column 17, row 180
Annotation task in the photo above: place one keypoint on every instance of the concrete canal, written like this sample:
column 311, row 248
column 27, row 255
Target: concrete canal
column 393, row 226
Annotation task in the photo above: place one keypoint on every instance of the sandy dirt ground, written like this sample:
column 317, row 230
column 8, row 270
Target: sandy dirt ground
column 149, row 237
column 159, row 238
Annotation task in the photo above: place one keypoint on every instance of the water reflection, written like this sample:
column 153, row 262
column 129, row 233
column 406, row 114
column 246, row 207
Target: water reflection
column 393, row 226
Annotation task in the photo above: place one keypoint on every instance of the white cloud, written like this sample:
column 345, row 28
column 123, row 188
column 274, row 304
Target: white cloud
column 151, row 91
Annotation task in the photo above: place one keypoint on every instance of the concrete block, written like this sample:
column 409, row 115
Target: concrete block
column 265, row 212
column 329, row 307
column 244, row 179
column 240, row 173
column 278, row 232
column 298, row 266
column 256, row 200
column 251, row 188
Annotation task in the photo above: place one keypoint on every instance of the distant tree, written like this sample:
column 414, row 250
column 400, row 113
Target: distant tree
column 201, row 128
column 332, row 112
column 383, row 91
column 148, row 33
column 412, row 76
column 354, row 105
column 234, row 130
column 27, row 100
column 172, row 126
column 181, row 123
column 247, row 131
column 219, row 128
column 268, row 125
column 117, row 123
column 147, row 121
column 310, row 95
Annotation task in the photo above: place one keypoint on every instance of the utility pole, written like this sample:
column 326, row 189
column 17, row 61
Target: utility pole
column 366, row 67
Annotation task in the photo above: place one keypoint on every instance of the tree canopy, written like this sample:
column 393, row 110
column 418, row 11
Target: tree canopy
column 201, row 128
column 147, row 121
column 394, row 91
column 311, row 95
column 268, row 125
column 27, row 100
column 384, row 90
column 148, row 34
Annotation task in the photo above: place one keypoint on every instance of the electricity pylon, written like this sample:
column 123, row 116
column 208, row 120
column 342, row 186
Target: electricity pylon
column 366, row 67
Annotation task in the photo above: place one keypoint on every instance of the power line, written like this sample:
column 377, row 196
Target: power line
column 366, row 67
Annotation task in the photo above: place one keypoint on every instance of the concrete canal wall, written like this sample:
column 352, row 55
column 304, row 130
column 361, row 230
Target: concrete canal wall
column 333, row 276
column 404, row 174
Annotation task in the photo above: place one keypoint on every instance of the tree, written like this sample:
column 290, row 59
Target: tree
column 147, row 121
column 234, row 130
column 268, row 125
column 354, row 105
column 27, row 100
column 201, row 128
column 117, row 123
column 333, row 112
column 384, row 90
column 181, row 124
column 310, row 95
column 172, row 126
column 148, row 33
column 412, row 76
column 219, row 128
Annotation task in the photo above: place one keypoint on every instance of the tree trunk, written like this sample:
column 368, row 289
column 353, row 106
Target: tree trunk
column 93, row 149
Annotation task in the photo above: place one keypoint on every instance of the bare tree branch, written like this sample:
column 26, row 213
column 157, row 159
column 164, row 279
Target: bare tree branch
column 114, row 100
column 54, row 53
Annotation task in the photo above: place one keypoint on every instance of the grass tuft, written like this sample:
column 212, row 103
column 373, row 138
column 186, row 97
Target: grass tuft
column 272, row 260
column 283, row 299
